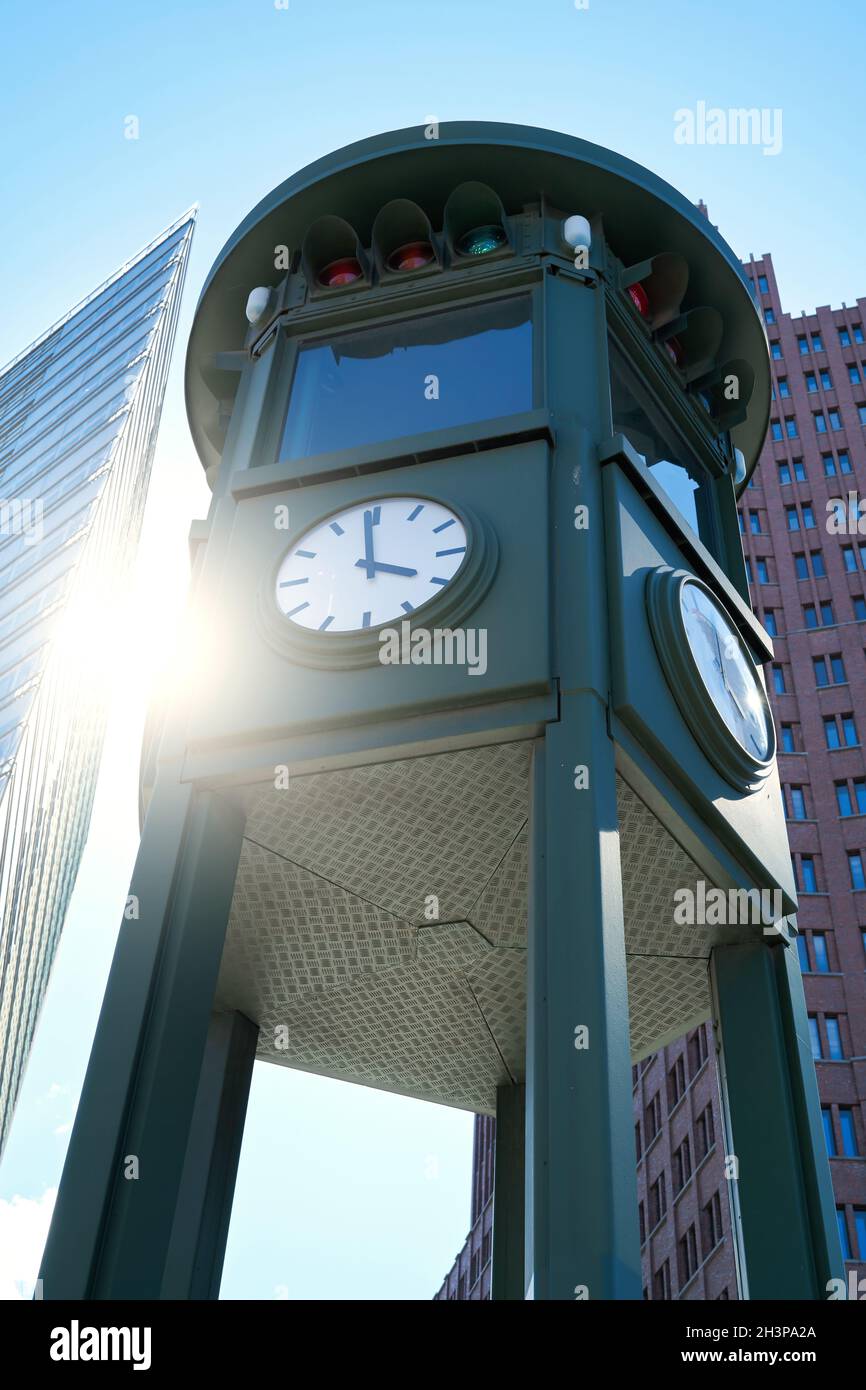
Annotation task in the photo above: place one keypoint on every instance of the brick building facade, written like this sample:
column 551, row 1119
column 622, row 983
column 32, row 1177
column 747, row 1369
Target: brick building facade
column 806, row 561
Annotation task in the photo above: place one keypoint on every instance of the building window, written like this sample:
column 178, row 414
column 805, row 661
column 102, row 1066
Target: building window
column 861, row 411
column 818, row 564
column 860, row 795
column 803, row 953
column 829, row 1135
column 829, row 465
column 815, row 1038
column 820, row 422
column 779, row 680
column 826, row 380
column 801, row 566
column 834, row 1038
column 799, row 470
column 776, row 429
column 687, row 1256
column 837, row 669
column 860, row 1228
column 676, row 1082
column 704, row 1133
column 853, row 374
column 711, row 1224
column 762, row 284
column 784, row 474
column 770, row 622
column 793, row 518
column 827, row 618
column 803, row 345
column 797, row 803
column 819, row 951
column 784, row 388
column 835, row 421
column 808, row 516
column 810, row 617
column 819, row 666
column 791, row 427
column 849, row 731
column 858, row 333
column 776, row 350
column 808, row 879
column 682, row 1165
column 697, row 1045
column 788, row 744
column 843, row 799
column 769, row 316
column 637, row 1144
column 811, row 382
column 762, row 570
column 657, row 1201
column 662, row 1281
column 748, row 564
column 653, row 1118
column 755, row 523
column 855, row 868
column 844, row 338
column 849, row 559
column 850, row 1148
column 858, row 603
column 831, row 732
column 641, row 1216
column 843, row 1233
column 844, row 462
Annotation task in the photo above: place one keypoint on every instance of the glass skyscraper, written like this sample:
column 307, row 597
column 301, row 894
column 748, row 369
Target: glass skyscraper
column 79, row 411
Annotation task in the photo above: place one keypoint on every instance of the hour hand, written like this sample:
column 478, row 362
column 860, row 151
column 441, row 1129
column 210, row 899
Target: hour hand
column 392, row 569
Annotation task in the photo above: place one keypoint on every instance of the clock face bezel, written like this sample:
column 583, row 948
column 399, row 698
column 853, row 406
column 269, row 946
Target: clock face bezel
column 718, row 743
column 360, row 647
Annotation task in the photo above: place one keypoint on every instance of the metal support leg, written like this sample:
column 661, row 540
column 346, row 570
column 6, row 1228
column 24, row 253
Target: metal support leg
column 201, row 1222
column 789, row 1234
column 112, row 1224
column 509, row 1227
column 582, row 1224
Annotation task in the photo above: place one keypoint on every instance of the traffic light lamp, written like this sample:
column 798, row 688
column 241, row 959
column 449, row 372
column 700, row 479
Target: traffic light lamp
column 332, row 256
column 475, row 224
column 403, row 241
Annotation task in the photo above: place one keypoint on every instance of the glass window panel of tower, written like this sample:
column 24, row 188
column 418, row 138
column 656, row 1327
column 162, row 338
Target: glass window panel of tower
column 443, row 370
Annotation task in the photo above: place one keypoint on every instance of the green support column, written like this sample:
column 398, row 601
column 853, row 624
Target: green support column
column 112, row 1223
column 509, row 1205
column 789, row 1235
column 583, row 1226
column 201, row 1222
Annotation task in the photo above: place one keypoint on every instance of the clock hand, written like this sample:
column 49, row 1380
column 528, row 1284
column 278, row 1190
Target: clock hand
column 393, row 569
column 368, row 563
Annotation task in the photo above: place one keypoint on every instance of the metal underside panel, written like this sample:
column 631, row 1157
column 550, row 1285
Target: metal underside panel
column 335, row 948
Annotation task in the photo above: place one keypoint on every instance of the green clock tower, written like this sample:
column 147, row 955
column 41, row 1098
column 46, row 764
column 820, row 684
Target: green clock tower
column 471, row 793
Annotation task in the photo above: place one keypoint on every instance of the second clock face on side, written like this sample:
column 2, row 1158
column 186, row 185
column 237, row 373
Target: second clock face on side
column 372, row 563
column 730, row 677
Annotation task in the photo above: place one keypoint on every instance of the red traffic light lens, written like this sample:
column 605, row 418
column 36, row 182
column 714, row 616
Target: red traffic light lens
column 339, row 273
column 674, row 350
column 412, row 256
column 640, row 299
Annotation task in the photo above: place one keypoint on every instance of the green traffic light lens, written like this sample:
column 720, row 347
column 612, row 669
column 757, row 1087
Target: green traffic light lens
column 482, row 240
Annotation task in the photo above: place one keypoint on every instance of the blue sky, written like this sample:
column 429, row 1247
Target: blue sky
column 344, row 1192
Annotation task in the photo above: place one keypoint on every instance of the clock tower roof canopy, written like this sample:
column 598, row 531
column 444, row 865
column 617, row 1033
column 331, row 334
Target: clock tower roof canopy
column 640, row 213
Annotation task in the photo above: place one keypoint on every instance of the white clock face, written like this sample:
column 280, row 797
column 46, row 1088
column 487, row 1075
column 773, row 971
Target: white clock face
column 371, row 564
column 731, row 679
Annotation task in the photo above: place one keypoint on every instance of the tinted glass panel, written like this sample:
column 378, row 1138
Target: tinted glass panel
column 428, row 374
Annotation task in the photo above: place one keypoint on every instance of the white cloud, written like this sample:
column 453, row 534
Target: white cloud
column 24, row 1226
column 64, row 1129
